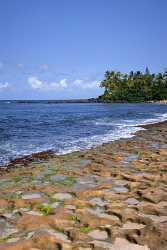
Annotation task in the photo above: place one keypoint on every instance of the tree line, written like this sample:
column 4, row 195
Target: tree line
column 134, row 87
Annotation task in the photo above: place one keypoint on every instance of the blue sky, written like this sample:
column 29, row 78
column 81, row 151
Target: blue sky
column 60, row 49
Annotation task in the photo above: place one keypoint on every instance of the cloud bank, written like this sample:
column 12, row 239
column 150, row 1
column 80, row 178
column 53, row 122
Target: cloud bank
column 62, row 84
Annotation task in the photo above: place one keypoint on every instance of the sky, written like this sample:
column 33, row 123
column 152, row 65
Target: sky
column 60, row 49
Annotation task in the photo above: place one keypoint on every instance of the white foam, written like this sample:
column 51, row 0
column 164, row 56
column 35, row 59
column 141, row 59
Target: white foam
column 126, row 129
column 92, row 141
column 123, row 129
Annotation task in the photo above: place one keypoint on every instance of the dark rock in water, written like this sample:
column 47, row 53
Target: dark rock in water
column 24, row 161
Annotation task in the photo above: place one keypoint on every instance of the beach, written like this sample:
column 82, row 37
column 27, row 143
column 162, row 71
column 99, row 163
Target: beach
column 111, row 197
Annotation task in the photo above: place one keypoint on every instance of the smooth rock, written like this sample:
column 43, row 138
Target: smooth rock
column 98, row 201
column 70, row 207
column 31, row 196
column 57, row 178
column 62, row 196
column 98, row 234
column 13, row 240
column 36, row 213
column 58, row 235
column 120, row 189
column 155, row 218
column 132, row 201
column 55, row 205
column 102, row 245
column 131, row 225
column 122, row 244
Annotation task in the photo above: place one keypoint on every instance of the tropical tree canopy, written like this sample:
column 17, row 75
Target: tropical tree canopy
column 134, row 87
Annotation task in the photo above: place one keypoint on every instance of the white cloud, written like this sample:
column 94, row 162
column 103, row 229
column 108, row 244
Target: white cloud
column 86, row 84
column 62, row 84
column 4, row 85
column 37, row 84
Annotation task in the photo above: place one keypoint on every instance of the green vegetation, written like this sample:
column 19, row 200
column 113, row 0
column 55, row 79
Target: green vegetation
column 68, row 181
column 85, row 230
column 13, row 196
column 51, row 170
column 2, row 240
column 134, row 87
column 60, row 230
column 46, row 209
column 17, row 179
column 80, row 206
column 75, row 218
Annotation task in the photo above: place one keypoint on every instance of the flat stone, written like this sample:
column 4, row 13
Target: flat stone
column 86, row 180
column 102, row 245
column 70, row 207
column 3, row 224
column 13, row 240
column 23, row 209
column 57, row 178
column 98, row 201
column 98, row 235
column 131, row 225
column 85, row 163
column 8, row 215
column 122, row 244
column 30, row 235
column 132, row 201
column 155, row 218
column 84, row 183
column 97, row 212
column 120, row 189
column 84, row 248
column 119, row 244
column 55, row 205
column 109, row 217
column 31, row 196
column 121, row 182
column 112, row 218
column 132, row 157
column 58, row 235
column 7, row 231
column 62, row 196
column 35, row 213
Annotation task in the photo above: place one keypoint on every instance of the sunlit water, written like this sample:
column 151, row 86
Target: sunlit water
column 29, row 128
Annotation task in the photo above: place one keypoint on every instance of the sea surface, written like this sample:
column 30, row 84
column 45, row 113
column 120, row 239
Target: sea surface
column 64, row 128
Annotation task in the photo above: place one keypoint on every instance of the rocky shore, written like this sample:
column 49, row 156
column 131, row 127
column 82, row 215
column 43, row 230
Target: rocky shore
column 111, row 197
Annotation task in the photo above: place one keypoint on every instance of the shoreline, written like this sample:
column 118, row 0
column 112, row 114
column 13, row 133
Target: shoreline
column 48, row 154
column 81, row 101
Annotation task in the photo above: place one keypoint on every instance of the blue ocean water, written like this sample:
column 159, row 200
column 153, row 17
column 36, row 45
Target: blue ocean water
column 34, row 127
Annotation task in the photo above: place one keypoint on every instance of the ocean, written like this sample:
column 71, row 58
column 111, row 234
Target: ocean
column 27, row 128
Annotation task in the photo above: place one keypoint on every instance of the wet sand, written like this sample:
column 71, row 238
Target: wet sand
column 111, row 197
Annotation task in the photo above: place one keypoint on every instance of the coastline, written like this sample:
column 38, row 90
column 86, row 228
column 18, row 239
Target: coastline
column 49, row 154
column 108, row 197
column 77, row 101
column 43, row 147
